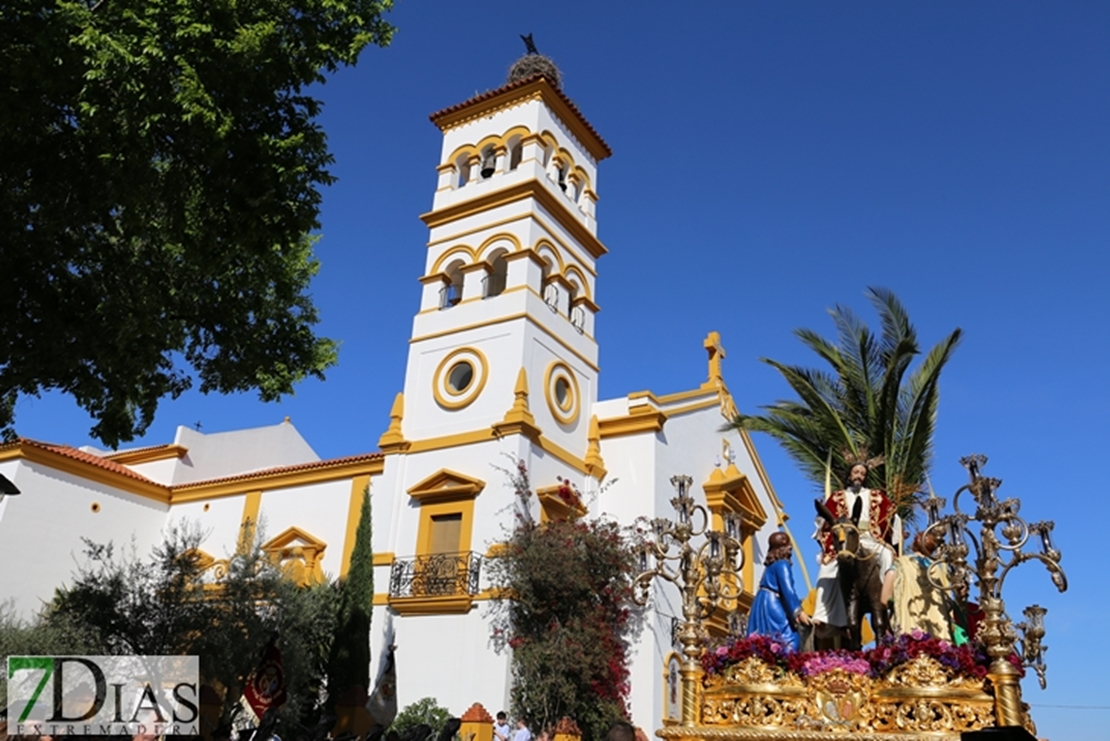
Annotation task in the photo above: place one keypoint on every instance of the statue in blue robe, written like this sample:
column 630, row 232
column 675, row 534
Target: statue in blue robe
column 776, row 610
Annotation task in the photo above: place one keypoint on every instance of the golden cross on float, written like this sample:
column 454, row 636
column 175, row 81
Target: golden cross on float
column 712, row 344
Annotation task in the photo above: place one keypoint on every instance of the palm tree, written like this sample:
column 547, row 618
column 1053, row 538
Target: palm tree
column 865, row 406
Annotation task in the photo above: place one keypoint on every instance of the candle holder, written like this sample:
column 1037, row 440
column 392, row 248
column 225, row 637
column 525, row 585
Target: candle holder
column 998, row 549
column 707, row 576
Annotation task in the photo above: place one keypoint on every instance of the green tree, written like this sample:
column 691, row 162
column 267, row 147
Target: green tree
column 19, row 637
column 159, row 184
column 567, row 620
column 349, row 663
column 169, row 604
column 868, row 402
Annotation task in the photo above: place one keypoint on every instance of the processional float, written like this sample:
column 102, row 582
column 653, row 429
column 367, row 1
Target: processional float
column 910, row 687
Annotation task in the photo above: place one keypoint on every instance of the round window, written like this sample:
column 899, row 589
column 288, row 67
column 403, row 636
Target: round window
column 562, row 393
column 460, row 376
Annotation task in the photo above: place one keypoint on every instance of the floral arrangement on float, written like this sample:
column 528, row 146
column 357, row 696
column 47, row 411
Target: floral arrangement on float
column 969, row 660
column 910, row 683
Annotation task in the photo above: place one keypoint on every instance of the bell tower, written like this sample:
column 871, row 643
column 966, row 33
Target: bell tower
column 506, row 319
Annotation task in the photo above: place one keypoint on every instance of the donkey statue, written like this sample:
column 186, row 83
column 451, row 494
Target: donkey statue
column 858, row 575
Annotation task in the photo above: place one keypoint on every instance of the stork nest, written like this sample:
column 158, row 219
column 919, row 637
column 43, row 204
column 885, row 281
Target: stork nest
column 535, row 64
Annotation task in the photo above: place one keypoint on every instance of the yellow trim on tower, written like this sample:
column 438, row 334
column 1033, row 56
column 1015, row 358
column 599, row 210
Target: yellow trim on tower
column 557, row 208
column 507, row 236
column 354, row 511
column 484, row 227
column 393, row 440
column 553, row 234
column 470, row 256
column 538, row 90
column 519, row 420
column 582, row 284
column 542, row 245
column 508, row 318
column 451, row 441
column 385, row 558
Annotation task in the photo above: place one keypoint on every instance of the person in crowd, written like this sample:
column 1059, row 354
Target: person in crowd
column 501, row 729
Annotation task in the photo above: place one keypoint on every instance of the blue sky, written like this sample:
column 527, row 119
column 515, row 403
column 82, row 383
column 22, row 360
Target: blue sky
column 772, row 160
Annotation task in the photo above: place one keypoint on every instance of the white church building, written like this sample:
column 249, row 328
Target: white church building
column 502, row 365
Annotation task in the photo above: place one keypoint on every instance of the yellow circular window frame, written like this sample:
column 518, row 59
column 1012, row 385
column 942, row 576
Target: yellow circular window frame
column 566, row 413
column 447, row 397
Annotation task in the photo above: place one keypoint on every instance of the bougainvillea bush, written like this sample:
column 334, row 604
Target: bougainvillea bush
column 567, row 617
column 968, row 660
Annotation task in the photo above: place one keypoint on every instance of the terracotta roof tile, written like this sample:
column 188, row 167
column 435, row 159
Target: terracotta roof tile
column 313, row 465
column 490, row 94
column 110, row 465
column 89, row 458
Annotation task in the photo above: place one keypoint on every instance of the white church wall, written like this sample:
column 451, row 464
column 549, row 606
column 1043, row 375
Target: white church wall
column 318, row 509
column 44, row 525
column 219, row 521
column 215, row 455
column 161, row 471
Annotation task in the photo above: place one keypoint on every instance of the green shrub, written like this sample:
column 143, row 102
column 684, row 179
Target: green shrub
column 425, row 710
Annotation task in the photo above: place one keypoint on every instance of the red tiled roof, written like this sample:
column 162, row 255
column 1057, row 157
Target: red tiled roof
column 89, row 458
column 313, row 465
column 110, row 465
column 508, row 87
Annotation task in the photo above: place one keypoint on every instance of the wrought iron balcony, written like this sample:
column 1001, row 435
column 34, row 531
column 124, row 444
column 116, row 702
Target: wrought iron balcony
column 435, row 575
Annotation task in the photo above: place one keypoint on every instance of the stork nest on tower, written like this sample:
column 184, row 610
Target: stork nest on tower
column 535, row 64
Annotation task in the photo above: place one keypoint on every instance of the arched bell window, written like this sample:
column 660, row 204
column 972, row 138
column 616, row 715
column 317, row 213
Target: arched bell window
column 495, row 281
column 488, row 163
column 462, row 167
column 451, row 293
column 516, row 152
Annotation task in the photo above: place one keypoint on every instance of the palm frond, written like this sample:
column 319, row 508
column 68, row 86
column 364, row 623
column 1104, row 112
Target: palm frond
column 867, row 397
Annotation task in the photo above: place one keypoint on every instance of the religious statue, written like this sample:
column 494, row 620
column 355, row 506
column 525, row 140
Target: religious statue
column 919, row 591
column 869, row 515
column 776, row 609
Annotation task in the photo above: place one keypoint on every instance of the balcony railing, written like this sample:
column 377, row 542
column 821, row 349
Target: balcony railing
column 435, row 575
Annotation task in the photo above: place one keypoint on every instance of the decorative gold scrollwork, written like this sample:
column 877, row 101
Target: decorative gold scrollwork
column 919, row 697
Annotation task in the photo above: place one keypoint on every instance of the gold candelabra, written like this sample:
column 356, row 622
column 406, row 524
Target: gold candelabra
column 995, row 557
column 707, row 577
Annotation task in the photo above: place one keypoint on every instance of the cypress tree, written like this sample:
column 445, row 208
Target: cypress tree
column 349, row 662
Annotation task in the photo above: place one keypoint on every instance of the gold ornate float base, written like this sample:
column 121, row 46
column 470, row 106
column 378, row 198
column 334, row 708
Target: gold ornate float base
column 920, row 699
